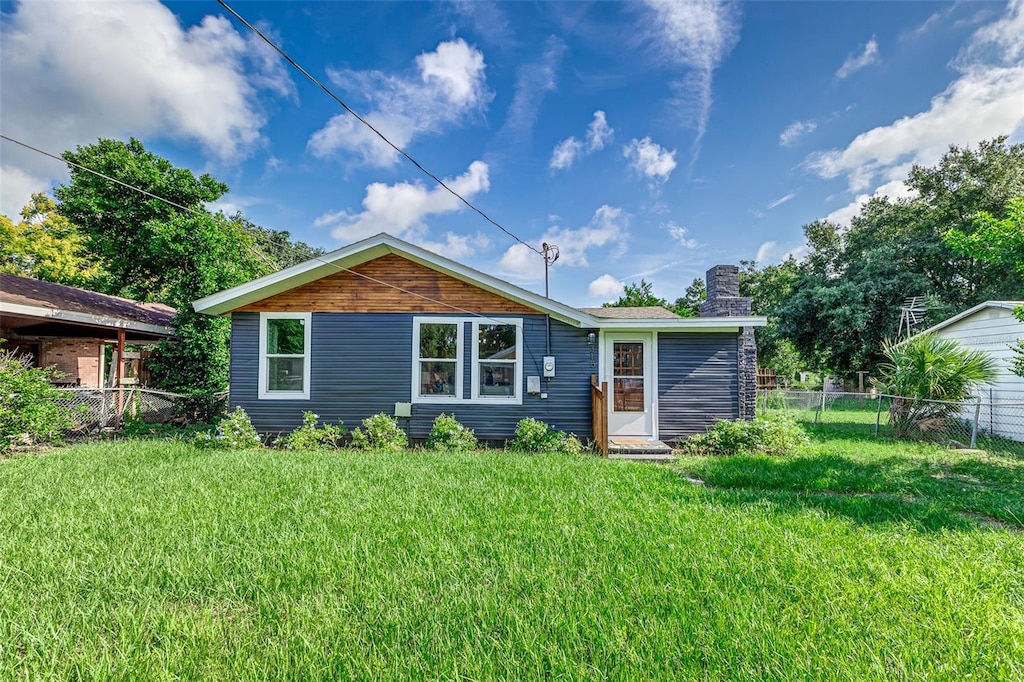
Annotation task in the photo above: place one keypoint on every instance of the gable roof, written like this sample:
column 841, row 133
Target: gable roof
column 382, row 244
column 1005, row 305
column 28, row 297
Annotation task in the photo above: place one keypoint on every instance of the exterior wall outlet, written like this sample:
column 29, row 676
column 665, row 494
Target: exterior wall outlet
column 533, row 385
column 549, row 366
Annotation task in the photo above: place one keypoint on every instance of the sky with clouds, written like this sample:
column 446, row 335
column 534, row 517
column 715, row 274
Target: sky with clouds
column 647, row 140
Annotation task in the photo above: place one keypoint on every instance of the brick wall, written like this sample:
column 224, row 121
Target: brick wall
column 75, row 358
column 724, row 300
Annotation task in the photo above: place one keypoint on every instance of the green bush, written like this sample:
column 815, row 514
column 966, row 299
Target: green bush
column 234, row 432
column 448, row 434
column 772, row 434
column 533, row 435
column 310, row 437
column 29, row 410
column 380, row 433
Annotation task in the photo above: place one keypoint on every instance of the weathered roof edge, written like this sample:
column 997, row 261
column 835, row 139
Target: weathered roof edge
column 1006, row 305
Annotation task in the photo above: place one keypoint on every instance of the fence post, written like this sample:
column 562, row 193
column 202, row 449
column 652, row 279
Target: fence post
column 878, row 414
column 974, row 427
column 821, row 405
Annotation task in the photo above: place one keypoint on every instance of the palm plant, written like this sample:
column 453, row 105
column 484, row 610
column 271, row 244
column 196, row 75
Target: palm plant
column 924, row 370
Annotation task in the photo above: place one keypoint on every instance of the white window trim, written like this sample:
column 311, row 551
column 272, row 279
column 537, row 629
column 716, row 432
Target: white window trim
column 517, row 399
column 459, row 359
column 265, row 394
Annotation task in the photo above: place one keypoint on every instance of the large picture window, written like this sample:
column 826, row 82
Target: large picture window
column 437, row 359
column 284, row 355
column 498, row 361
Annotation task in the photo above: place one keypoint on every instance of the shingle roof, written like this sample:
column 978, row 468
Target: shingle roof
column 34, row 292
column 639, row 313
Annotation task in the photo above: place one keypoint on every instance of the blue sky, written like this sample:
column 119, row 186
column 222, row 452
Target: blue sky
column 646, row 140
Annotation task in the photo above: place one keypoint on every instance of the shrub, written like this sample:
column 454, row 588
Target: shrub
column 234, row 432
column 533, row 435
column 381, row 433
column 773, row 434
column 448, row 434
column 310, row 437
column 29, row 407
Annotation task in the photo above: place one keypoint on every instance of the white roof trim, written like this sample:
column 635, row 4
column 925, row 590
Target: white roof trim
column 684, row 324
column 58, row 315
column 1006, row 305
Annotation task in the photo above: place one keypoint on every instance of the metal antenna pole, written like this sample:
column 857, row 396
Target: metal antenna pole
column 550, row 253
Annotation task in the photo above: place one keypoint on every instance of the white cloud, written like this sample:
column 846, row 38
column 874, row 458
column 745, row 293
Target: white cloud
column 650, row 159
column 456, row 246
column 599, row 133
column 696, row 35
column 893, row 190
column 449, row 84
column 795, row 130
column 764, row 251
column 680, row 235
column 607, row 227
column 780, row 201
column 17, row 188
column 400, row 209
column 534, row 81
column 73, row 72
column 856, row 62
column 986, row 100
column 605, row 287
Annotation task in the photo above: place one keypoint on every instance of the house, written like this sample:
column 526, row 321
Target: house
column 386, row 326
column 992, row 328
column 79, row 332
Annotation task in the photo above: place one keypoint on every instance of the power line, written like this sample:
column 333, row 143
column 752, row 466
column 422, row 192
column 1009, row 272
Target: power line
column 255, row 252
column 369, row 125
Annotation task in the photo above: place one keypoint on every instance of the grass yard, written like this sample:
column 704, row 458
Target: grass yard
column 855, row 559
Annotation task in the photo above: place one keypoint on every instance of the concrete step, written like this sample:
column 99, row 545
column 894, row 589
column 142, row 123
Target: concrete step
column 646, row 449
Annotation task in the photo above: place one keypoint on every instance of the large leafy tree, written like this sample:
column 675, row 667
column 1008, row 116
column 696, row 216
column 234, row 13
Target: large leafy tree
column 768, row 287
column 45, row 245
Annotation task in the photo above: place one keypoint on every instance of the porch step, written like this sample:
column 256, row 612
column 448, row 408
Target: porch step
column 645, row 449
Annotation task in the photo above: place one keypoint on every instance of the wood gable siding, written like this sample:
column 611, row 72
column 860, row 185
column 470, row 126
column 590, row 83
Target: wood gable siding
column 345, row 292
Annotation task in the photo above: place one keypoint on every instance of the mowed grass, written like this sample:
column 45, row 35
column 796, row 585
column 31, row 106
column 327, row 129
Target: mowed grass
column 154, row 560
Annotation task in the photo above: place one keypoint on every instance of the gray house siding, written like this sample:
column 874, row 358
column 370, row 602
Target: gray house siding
column 697, row 382
column 361, row 364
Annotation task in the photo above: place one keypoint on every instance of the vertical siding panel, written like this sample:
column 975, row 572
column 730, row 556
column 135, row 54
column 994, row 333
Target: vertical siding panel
column 697, row 382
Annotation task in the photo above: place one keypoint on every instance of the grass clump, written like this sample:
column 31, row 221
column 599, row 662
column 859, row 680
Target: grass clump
column 234, row 432
column 310, row 436
column 447, row 433
column 380, row 433
column 533, row 435
column 770, row 434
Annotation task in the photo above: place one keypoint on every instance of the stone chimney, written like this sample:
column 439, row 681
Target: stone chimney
column 724, row 300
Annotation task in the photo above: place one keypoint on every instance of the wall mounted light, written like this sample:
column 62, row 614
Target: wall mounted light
column 592, row 342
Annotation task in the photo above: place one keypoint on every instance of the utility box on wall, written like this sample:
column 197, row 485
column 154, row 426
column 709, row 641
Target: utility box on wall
column 549, row 366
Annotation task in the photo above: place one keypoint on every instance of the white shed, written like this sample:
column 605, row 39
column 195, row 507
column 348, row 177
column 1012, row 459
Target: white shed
column 992, row 328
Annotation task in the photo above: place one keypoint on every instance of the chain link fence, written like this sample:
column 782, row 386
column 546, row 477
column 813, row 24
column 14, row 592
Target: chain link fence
column 996, row 426
column 94, row 409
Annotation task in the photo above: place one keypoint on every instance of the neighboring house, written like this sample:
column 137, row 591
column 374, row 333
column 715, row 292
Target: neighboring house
column 79, row 331
column 382, row 321
column 992, row 328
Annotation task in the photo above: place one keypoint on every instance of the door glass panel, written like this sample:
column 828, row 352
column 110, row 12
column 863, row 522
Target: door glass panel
column 628, row 377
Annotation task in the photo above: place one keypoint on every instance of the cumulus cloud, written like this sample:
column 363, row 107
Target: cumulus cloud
column 697, row 36
column 857, row 61
column 650, row 159
column 73, row 72
column 680, row 235
column 607, row 227
column 985, row 100
column 456, row 246
column 605, row 287
column 448, row 84
column 795, row 130
column 599, row 133
column 893, row 190
column 401, row 209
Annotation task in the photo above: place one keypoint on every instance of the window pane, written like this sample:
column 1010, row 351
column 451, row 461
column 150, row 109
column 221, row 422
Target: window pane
column 285, row 374
column 286, row 336
column 439, row 340
column 629, row 395
column 498, row 379
column 629, row 360
column 437, row 378
column 497, row 342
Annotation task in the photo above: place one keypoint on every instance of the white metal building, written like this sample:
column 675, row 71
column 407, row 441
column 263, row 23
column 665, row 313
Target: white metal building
column 992, row 328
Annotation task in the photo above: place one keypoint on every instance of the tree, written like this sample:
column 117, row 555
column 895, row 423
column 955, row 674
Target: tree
column 768, row 287
column 638, row 296
column 688, row 305
column 929, row 368
column 277, row 245
column 45, row 245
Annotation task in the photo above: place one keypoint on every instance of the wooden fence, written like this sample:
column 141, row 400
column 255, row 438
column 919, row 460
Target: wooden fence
column 599, row 410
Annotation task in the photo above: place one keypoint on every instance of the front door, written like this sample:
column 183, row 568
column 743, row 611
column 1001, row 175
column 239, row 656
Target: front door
column 628, row 368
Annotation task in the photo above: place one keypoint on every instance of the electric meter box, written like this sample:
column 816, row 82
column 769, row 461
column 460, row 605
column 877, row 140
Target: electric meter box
column 549, row 366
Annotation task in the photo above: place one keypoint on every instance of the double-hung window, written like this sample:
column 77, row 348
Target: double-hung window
column 498, row 361
column 437, row 359
column 284, row 355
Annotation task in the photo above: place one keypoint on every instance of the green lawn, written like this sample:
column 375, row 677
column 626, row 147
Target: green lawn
column 853, row 560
